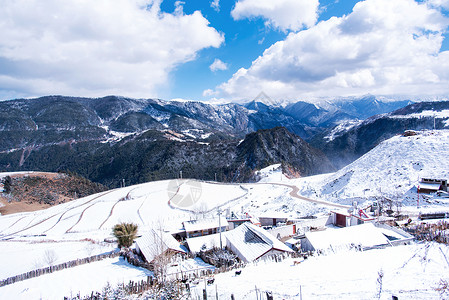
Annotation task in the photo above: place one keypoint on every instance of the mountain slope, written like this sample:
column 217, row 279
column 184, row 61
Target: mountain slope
column 155, row 155
column 348, row 141
column 390, row 169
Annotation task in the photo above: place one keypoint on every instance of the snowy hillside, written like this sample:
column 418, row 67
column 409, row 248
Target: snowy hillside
column 390, row 169
column 77, row 229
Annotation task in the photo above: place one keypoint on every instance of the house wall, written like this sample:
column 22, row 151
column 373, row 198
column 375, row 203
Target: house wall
column 264, row 221
column 235, row 251
column 355, row 221
column 306, row 245
column 282, row 231
column 270, row 253
column 203, row 232
column 426, row 191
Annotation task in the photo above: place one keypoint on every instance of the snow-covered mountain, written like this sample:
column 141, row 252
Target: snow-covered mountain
column 351, row 139
column 389, row 170
column 153, row 139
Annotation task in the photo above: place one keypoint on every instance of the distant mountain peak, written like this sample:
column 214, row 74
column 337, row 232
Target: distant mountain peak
column 265, row 99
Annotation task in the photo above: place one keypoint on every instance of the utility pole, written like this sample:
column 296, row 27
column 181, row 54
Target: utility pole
column 180, row 174
column 219, row 225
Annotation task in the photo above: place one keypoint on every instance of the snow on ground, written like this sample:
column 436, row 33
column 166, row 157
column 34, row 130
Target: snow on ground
column 410, row 272
column 341, row 128
column 271, row 173
column 82, row 279
column 443, row 114
column 22, row 256
column 390, row 169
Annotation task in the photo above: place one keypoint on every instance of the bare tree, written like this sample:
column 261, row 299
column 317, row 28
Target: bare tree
column 161, row 252
column 443, row 289
column 50, row 257
column 380, row 276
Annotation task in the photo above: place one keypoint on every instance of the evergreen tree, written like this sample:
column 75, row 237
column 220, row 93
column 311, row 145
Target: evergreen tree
column 7, row 184
column 125, row 234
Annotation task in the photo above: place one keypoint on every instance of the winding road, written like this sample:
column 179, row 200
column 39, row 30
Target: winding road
column 294, row 194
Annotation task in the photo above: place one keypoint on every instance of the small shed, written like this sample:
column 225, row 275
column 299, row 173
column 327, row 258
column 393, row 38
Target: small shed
column 201, row 227
column 157, row 242
column 345, row 218
column 432, row 185
column 251, row 243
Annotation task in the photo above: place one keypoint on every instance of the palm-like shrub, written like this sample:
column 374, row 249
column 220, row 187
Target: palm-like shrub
column 125, row 234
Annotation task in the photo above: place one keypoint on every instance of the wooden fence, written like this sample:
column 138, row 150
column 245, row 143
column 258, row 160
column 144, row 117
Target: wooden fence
column 62, row 266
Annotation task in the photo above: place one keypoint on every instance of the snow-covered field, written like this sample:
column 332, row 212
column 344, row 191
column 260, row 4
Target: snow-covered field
column 409, row 272
column 77, row 229
column 82, row 279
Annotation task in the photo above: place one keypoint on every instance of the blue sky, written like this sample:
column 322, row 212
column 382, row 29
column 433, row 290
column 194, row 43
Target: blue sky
column 290, row 49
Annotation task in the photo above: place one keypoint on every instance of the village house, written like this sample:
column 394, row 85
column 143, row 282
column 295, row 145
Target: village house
column 250, row 243
column 157, row 243
column 364, row 236
column 432, row 185
column 201, row 227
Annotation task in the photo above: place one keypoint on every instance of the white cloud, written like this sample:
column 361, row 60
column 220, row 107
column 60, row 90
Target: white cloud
column 94, row 48
column 218, row 65
column 382, row 47
column 215, row 4
column 439, row 3
column 282, row 14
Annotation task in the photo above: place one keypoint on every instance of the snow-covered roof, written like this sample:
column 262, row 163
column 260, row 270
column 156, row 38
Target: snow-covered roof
column 205, row 242
column 366, row 235
column 202, row 224
column 252, row 242
column 429, row 186
column 156, row 242
column 343, row 212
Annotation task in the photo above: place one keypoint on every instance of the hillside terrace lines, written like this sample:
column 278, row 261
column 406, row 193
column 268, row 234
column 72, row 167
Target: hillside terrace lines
column 31, row 226
column 66, row 211
column 79, row 219
column 13, row 224
column 128, row 196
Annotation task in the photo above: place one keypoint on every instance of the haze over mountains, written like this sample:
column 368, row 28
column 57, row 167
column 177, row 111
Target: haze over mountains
column 113, row 138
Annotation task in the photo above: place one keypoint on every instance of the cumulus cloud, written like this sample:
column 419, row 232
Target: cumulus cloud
column 94, row 48
column 439, row 3
column 282, row 14
column 218, row 65
column 382, row 47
